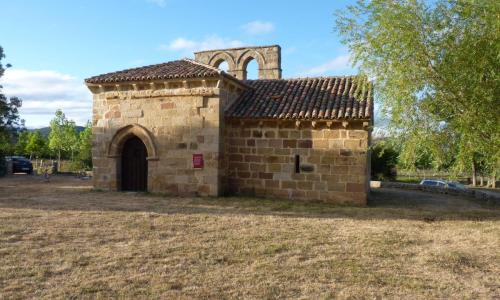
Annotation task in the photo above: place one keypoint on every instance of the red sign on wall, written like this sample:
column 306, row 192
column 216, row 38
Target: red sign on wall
column 198, row 161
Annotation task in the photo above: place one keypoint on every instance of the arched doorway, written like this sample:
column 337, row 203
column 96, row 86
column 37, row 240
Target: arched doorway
column 134, row 165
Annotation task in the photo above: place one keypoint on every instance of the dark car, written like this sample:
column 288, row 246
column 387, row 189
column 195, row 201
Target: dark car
column 20, row 164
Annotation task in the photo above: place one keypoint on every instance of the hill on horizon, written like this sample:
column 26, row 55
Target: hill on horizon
column 45, row 131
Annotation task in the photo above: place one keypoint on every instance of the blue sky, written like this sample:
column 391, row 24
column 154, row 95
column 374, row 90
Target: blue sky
column 54, row 45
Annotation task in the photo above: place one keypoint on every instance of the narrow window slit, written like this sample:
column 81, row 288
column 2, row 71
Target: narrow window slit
column 297, row 163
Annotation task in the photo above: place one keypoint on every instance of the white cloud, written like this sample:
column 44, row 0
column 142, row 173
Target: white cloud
column 160, row 3
column 258, row 27
column 339, row 63
column 180, row 44
column 43, row 92
column 209, row 43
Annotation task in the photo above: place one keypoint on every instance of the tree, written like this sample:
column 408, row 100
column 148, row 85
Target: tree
column 36, row 146
column 71, row 138
column 10, row 123
column 22, row 142
column 63, row 137
column 436, row 70
column 85, row 147
column 56, row 135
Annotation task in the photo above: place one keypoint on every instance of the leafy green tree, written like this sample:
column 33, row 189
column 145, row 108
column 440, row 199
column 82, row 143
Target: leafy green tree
column 85, row 146
column 36, row 146
column 56, row 135
column 71, row 138
column 10, row 123
column 436, row 68
column 63, row 138
column 22, row 142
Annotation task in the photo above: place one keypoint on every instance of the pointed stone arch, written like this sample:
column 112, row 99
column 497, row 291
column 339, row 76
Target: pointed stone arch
column 221, row 56
column 245, row 58
column 250, row 54
column 125, row 133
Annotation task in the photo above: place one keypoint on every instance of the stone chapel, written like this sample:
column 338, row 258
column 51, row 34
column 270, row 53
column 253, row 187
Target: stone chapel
column 187, row 128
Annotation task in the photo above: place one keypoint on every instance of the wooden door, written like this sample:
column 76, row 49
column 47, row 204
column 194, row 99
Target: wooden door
column 134, row 166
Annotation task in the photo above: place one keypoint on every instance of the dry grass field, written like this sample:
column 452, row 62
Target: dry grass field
column 62, row 240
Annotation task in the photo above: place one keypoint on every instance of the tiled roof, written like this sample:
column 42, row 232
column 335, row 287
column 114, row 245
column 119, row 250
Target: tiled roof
column 184, row 68
column 307, row 98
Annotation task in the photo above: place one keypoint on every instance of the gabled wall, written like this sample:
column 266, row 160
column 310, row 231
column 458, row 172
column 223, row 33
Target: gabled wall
column 176, row 119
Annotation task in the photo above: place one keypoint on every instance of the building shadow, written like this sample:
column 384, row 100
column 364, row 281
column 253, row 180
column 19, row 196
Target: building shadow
column 384, row 204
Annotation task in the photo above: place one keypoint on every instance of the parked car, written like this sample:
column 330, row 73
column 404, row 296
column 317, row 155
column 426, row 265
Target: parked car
column 443, row 183
column 456, row 185
column 20, row 164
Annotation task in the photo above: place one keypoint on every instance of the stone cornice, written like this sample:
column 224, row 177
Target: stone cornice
column 191, row 87
column 131, row 94
column 301, row 123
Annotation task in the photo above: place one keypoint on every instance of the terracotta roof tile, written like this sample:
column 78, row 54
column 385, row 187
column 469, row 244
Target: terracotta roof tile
column 307, row 98
column 184, row 68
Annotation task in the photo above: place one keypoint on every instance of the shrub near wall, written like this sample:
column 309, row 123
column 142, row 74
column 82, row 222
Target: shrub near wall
column 3, row 164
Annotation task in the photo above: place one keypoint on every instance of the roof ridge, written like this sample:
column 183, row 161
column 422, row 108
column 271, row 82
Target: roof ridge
column 164, row 70
column 130, row 69
column 307, row 78
column 202, row 64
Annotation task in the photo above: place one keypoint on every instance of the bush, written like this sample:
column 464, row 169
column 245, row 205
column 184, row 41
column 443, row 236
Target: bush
column 383, row 161
column 3, row 164
column 77, row 166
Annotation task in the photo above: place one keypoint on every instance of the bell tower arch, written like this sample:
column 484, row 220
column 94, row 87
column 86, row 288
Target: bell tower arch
column 268, row 58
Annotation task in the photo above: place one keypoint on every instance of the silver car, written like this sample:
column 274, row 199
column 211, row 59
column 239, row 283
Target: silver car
column 443, row 183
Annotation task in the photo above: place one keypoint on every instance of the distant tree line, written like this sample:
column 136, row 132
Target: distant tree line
column 64, row 141
column 388, row 158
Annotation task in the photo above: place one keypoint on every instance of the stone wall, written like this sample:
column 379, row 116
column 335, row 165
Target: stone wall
column 260, row 160
column 174, row 120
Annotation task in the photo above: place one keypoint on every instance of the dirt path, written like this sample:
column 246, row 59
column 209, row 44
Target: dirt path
column 67, row 192
column 61, row 186
column 392, row 197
